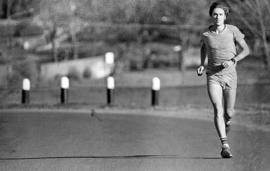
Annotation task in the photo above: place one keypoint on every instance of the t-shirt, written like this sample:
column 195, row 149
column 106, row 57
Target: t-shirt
column 221, row 47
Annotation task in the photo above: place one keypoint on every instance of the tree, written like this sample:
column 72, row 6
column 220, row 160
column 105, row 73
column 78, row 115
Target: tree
column 13, row 8
column 59, row 17
column 255, row 15
column 128, row 14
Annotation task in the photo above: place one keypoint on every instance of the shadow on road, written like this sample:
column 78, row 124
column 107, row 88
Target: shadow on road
column 110, row 157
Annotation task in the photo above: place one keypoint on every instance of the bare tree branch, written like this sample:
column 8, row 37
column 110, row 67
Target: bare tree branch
column 251, row 7
column 267, row 5
column 244, row 20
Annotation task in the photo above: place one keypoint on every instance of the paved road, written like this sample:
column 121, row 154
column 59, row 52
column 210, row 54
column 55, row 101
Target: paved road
column 80, row 141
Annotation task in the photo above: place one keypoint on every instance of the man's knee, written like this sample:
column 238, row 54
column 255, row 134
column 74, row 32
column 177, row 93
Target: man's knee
column 219, row 111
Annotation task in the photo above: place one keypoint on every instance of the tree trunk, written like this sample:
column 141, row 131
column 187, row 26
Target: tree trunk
column 264, row 37
column 9, row 5
column 266, row 57
column 74, row 43
column 54, row 51
column 53, row 40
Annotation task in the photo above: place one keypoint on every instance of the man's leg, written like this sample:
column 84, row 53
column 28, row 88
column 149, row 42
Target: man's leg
column 216, row 94
column 229, row 96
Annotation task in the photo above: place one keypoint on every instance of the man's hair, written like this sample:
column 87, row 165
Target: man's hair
column 219, row 4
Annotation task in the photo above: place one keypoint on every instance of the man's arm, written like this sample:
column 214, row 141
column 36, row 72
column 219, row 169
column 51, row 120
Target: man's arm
column 244, row 50
column 203, row 54
column 203, row 57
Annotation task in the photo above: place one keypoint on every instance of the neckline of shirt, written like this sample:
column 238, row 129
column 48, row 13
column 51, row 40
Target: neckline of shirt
column 216, row 34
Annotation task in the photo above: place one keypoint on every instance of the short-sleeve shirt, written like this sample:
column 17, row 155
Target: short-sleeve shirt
column 221, row 47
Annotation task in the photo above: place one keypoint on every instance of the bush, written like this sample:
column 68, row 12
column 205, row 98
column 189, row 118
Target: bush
column 87, row 73
column 24, row 69
column 24, row 29
column 74, row 74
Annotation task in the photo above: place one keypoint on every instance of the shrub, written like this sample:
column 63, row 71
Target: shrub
column 74, row 74
column 24, row 69
column 87, row 73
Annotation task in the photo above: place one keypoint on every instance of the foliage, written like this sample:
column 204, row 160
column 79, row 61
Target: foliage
column 74, row 74
column 20, row 70
column 147, row 11
column 141, row 21
column 15, row 8
column 87, row 73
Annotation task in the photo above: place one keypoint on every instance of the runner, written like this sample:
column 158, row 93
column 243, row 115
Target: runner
column 219, row 45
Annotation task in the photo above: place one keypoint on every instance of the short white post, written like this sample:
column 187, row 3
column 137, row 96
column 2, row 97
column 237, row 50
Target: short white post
column 109, row 58
column 110, row 89
column 26, row 45
column 64, row 90
column 179, row 50
column 26, row 91
column 155, row 91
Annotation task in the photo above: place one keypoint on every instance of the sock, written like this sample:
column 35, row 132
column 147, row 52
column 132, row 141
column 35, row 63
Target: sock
column 224, row 141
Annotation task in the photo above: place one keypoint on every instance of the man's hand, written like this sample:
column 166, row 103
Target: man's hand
column 200, row 70
column 227, row 64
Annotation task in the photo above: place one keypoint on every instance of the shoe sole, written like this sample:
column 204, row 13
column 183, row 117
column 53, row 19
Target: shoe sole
column 226, row 154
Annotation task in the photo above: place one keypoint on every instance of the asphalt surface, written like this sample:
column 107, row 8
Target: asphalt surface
column 88, row 140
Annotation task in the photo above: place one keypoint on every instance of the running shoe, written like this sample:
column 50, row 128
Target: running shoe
column 226, row 151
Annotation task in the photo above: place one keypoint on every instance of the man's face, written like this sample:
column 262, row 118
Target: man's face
column 218, row 16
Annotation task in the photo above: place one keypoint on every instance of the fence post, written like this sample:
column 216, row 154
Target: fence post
column 26, row 91
column 64, row 90
column 155, row 91
column 110, row 88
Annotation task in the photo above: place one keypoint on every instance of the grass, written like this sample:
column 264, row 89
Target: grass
column 89, row 91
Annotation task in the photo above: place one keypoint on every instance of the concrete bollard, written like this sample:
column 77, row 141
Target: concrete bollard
column 64, row 90
column 109, row 58
column 26, row 91
column 155, row 91
column 110, row 89
column 109, row 62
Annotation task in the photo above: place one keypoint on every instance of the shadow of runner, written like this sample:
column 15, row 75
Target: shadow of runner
column 109, row 157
